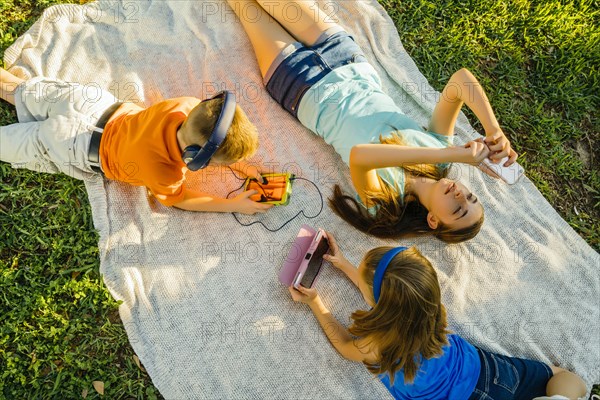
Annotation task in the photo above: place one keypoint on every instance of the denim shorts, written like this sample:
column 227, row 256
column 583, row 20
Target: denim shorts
column 503, row 378
column 298, row 67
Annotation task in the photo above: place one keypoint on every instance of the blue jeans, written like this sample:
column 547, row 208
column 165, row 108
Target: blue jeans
column 504, row 378
column 298, row 67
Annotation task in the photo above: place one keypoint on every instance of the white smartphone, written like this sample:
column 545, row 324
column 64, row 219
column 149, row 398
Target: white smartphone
column 509, row 174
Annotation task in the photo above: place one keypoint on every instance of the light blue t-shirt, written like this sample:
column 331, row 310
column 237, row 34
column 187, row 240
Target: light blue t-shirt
column 348, row 107
column 453, row 375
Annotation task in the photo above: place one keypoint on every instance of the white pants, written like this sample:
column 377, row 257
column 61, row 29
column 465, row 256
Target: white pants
column 56, row 121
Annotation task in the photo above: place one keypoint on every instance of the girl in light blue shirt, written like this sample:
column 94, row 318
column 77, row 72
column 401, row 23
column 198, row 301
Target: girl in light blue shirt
column 398, row 169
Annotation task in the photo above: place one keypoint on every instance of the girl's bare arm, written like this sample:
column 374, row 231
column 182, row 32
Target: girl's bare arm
column 366, row 158
column 464, row 88
column 350, row 348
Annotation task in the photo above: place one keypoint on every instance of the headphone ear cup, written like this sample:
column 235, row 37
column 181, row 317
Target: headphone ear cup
column 190, row 152
column 201, row 158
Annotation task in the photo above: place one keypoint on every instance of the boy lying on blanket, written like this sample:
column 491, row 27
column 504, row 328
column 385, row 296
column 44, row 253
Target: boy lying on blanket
column 78, row 130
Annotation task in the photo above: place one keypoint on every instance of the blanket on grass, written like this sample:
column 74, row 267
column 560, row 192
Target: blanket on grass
column 201, row 302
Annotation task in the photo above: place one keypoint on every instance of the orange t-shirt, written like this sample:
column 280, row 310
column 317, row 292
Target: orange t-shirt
column 141, row 148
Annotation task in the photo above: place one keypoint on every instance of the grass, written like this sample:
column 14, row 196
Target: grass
column 59, row 326
column 539, row 62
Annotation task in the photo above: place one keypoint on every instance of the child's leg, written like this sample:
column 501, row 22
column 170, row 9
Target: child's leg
column 8, row 85
column 268, row 38
column 565, row 383
column 302, row 18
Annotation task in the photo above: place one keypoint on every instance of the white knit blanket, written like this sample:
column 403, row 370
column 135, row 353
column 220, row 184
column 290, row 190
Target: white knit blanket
column 201, row 302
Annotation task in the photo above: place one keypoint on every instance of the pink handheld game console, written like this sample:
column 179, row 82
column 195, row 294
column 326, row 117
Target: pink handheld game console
column 305, row 258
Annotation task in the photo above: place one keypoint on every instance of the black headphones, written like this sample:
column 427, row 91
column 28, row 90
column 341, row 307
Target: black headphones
column 197, row 157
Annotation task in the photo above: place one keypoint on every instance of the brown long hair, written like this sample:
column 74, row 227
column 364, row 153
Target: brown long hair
column 396, row 218
column 408, row 323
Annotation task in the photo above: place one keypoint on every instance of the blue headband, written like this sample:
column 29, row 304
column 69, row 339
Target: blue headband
column 380, row 270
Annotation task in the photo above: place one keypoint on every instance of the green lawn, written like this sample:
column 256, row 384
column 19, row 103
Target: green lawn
column 59, row 327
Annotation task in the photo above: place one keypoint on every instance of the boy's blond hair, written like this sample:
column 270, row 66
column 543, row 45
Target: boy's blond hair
column 241, row 141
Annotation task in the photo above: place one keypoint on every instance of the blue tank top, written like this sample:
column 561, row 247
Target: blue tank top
column 453, row 375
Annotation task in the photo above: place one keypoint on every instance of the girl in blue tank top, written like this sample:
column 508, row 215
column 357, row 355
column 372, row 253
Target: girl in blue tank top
column 404, row 338
column 316, row 71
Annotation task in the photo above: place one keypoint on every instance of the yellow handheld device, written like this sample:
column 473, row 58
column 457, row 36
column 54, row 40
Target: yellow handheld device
column 276, row 190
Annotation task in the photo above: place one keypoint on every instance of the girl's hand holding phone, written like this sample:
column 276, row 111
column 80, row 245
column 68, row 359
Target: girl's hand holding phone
column 304, row 295
column 336, row 258
column 499, row 146
column 472, row 152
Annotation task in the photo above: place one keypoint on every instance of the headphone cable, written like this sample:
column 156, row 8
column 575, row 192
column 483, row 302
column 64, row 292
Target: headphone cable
column 301, row 212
